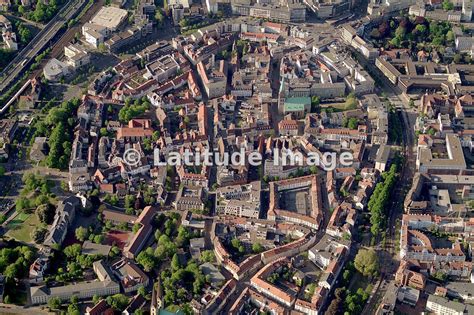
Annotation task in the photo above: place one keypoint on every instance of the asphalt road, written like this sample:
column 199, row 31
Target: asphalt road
column 38, row 43
column 388, row 254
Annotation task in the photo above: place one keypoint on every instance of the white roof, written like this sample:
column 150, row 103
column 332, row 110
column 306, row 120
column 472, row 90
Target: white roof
column 110, row 17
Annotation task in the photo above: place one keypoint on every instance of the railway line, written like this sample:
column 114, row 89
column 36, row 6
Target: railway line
column 39, row 42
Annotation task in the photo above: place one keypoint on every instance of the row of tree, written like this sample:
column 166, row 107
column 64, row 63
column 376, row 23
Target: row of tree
column 379, row 200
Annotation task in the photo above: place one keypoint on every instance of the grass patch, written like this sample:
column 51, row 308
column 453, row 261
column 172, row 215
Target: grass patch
column 21, row 227
column 19, row 219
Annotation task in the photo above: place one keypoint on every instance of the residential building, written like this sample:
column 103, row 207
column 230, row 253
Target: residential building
column 440, row 305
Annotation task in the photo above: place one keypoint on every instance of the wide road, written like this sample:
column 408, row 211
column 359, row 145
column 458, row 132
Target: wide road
column 388, row 254
column 26, row 55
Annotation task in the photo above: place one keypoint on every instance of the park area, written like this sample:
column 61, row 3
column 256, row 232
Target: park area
column 21, row 226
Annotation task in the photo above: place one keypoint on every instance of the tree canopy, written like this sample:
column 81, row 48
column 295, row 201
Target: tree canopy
column 367, row 262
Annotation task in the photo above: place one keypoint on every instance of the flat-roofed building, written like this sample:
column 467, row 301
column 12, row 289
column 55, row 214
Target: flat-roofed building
column 240, row 200
column 454, row 159
column 162, row 68
column 76, row 56
column 110, row 17
column 443, row 306
column 408, row 295
column 55, row 70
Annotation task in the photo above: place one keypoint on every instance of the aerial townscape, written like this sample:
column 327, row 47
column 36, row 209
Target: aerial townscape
column 236, row 157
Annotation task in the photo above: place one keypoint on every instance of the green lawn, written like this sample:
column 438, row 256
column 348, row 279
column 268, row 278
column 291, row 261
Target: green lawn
column 19, row 219
column 21, row 227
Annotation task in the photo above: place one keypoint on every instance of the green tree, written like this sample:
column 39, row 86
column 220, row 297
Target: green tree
column 102, row 48
column 336, row 306
column 457, row 58
column 447, row 5
column 450, row 36
column 118, row 301
column 440, row 276
column 72, row 251
column 114, row 200
column 353, row 123
column 38, row 234
column 98, row 239
column 421, row 28
column 156, row 135
column 159, row 17
column 136, row 227
column 82, row 233
column 74, row 299
column 175, row 265
column 142, row 291
column 208, row 256
column 59, row 148
column 22, row 204
column 400, row 33
column 45, row 213
column 235, row 243
column 130, row 111
column 24, row 33
column 346, row 275
column 396, row 42
column 54, row 303
column 147, row 260
column 257, row 248
column 351, row 102
column 367, row 262
column 11, row 272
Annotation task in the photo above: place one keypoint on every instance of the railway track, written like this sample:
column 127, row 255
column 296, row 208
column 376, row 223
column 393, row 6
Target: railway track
column 58, row 48
column 25, row 57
